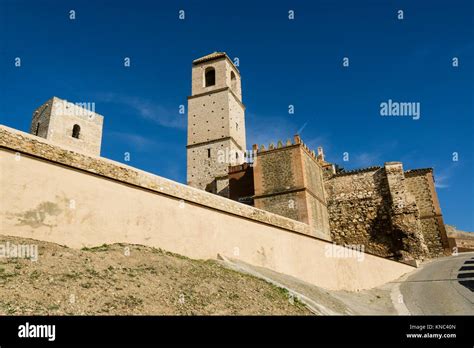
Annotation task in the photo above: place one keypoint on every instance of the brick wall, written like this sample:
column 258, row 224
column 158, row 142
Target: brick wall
column 241, row 186
column 289, row 181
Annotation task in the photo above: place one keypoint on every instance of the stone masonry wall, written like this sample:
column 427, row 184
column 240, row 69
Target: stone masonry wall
column 278, row 171
column 420, row 183
column 57, row 118
column 359, row 211
column 41, row 119
column 315, row 193
column 216, row 123
column 275, row 176
column 289, row 181
column 392, row 212
column 406, row 224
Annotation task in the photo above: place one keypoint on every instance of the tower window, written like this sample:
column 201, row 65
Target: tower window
column 75, row 131
column 208, row 153
column 37, row 128
column 233, row 80
column 210, row 77
column 236, row 126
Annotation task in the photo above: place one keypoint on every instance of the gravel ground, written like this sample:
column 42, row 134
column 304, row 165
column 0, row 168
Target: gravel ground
column 123, row 279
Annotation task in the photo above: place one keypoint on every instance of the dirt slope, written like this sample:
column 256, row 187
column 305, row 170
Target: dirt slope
column 131, row 279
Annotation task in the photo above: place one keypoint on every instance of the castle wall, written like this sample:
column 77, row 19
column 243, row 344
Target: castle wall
column 279, row 185
column 405, row 218
column 291, row 205
column 278, row 170
column 359, row 211
column 315, row 193
column 459, row 241
column 392, row 212
column 288, row 181
column 421, row 185
column 50, row 193
column 318, row 216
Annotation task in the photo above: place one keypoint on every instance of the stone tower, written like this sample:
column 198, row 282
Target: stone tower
column 74, row 126
column 216, row 123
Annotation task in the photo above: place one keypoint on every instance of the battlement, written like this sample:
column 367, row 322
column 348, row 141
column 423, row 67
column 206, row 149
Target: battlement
column 288, row 180
column 356, row 171
column 418, row 171
column 319, row 156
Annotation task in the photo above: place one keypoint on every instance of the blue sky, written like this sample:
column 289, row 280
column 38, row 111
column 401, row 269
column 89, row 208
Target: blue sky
column 282, row 62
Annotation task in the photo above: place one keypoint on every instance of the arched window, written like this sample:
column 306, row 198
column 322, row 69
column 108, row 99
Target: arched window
column 75, row 131
column 233, row 81
column 210, row 77
column 37, row 128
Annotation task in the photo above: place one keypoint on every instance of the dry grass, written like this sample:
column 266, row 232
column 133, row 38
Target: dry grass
column 105, row 281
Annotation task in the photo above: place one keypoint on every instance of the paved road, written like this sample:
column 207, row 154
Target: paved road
column 442, row 286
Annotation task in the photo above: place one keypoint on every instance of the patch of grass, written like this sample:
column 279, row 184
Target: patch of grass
column 35, row 274
column 132, row 301
column 71, row 275
column 234, row 296
column 103, row 247
column 156, row 250
column 92, row 272
column 11, row 310
column 178, row 256
column 5, row 275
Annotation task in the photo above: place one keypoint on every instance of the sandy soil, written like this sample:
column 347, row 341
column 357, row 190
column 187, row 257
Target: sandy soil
column 125, row 279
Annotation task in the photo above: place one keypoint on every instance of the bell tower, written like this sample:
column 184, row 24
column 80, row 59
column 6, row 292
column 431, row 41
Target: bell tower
column 216, row 123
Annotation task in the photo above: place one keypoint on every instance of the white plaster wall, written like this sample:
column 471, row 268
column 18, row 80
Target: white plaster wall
column 46, row 201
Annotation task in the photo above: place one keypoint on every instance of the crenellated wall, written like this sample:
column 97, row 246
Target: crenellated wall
column 289, row 181
column 54, row 194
